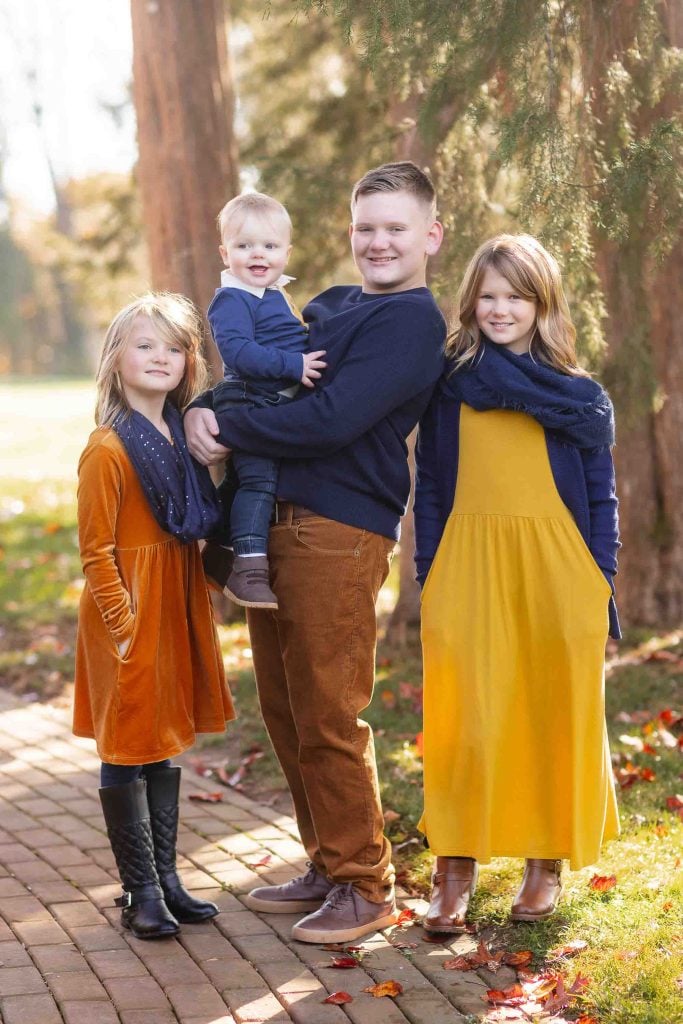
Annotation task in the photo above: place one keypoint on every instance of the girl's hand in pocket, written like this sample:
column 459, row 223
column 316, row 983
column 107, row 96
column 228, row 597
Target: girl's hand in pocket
column 123, row 647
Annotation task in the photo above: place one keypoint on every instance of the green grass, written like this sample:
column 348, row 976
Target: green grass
column 633, row 931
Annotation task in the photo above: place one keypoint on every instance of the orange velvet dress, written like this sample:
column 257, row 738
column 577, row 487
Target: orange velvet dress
column 144, row 585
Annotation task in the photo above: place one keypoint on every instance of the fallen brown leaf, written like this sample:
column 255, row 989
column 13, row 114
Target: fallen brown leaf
column 570, row 949
column 206, row 798
column 385, row 988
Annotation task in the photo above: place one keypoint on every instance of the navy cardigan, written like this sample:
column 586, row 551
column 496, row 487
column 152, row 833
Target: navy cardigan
column 584, row 480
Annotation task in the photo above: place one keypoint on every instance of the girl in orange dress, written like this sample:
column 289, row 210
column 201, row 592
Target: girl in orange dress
column 149, row 671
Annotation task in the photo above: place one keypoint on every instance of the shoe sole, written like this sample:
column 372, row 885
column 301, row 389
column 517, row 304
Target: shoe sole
column 282, row 906
column 452, row 929
column 341, row 935
column 531, row 918
column 249, row 604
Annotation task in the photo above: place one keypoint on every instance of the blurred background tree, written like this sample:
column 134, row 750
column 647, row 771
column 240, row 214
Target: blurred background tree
column 558, row 117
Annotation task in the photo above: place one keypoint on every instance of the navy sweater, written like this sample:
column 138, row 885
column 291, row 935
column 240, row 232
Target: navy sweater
column 343, row 446
column 259, row 338
column 584, row 480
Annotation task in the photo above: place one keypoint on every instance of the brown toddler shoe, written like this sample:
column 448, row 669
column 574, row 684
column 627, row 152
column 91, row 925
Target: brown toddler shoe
column 249, row 584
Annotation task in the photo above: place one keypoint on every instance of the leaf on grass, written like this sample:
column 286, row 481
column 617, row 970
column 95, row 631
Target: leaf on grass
column 570, row 949
column 675, row 802
column 343, row 962
column 206, row 798
column 666, row 907
column 585, row 1018
column 338, row 998
column 602, row 883
column 626, row 954
column 385, row 988
column 513, row 994
column 522, row 958
column 660, row 831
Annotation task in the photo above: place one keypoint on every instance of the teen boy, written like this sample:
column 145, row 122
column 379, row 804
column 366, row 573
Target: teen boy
column 342, row 488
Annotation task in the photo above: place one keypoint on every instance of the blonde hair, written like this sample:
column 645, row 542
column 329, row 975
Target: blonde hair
column 402, row 176
column 236, row 211
column 535, row 275
column 178, row 320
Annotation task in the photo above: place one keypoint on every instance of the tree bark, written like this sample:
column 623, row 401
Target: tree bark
column 188, row 165
column 645, row 372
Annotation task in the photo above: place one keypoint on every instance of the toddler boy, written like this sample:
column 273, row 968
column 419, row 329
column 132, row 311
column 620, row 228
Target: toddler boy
column 262, row 343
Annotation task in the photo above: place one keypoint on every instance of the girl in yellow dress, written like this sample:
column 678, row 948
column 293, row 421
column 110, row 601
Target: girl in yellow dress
column 516, row 530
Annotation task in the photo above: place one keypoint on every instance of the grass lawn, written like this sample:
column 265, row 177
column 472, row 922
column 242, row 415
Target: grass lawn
column 633, row 929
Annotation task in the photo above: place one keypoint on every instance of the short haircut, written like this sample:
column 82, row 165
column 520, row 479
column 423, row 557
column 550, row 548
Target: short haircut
column 239, row 208
column 404, row 176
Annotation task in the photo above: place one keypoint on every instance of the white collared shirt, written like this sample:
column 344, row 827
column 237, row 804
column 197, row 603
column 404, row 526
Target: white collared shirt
column 229, row 280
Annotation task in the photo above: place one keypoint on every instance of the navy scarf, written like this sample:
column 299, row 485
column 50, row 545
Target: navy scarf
column 179, row 490
column 576, row 409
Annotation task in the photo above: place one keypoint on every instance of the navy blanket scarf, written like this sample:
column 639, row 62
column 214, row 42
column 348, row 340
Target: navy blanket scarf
column 179, row 490
column 576, row 409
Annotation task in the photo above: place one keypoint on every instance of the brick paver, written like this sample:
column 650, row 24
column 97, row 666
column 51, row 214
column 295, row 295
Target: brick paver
column 67, row 960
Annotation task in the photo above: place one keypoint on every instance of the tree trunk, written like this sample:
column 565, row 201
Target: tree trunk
column 645, row 373
column 187, row 165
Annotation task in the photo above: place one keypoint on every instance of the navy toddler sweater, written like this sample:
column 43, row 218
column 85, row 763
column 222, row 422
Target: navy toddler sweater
column 259, row 338
column 343, row 446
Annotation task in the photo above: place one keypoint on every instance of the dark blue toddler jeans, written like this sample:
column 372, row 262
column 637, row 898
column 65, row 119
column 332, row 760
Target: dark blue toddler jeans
column 251, row 502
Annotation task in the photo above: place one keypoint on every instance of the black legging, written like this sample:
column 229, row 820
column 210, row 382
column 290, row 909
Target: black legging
column 122, row 774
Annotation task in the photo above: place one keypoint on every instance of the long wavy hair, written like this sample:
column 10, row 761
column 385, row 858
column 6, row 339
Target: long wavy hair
column 176, row 319
column 535, row 275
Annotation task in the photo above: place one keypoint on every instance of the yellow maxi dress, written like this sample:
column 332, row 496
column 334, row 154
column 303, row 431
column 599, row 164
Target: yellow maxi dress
column 514, row 624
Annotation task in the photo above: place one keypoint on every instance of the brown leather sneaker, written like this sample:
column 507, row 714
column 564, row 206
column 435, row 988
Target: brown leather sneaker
column 345, row 915
column 539, row 892
column 303, row 894
column 453, row 883
column 217, row 562
column 249, row 584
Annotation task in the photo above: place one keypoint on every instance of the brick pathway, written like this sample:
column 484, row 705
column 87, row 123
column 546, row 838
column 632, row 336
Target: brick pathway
column 65, row 958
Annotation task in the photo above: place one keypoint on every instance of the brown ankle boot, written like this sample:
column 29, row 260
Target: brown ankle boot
column 249, row 585
column 539, row 892
column 453, row 882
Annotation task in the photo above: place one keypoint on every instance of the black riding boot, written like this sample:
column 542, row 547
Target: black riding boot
column 126, row 814
column 163, row 789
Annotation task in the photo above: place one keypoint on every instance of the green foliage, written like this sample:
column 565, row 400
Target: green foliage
column 556, row 117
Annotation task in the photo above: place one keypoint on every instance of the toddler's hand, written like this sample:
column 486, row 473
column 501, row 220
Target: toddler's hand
column 123, row 647
column 313, row 364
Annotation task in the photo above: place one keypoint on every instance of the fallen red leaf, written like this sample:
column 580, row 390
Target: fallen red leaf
column 585, row 1019
column 343, row 962
column 647, row 775
column 338, row 998
column 674, row 803
column 406, row 916
column 262, row 862
column 667, row 716
column 385, row 988
column 666, row 907
column 206, row 798
column 458, row 963
column 603, row 883
column 570, row 949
